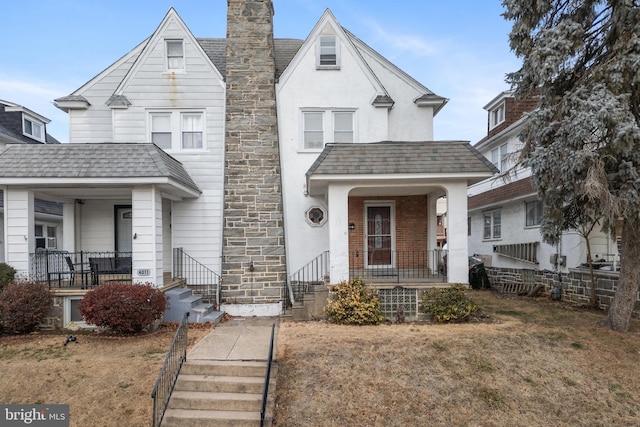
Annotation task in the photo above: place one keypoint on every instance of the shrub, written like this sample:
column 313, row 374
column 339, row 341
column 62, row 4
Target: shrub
column 354, row 304
column 123, row 307
column 7, row 273
column 448, row 304
column 23, row 306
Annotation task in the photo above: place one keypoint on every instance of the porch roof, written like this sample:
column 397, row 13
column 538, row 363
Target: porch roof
column 96, row 164
column 400, row 160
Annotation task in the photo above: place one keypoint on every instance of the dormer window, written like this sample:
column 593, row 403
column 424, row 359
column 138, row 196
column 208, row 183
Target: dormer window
column 33, row 129
column 496, row 116
column 328, row 57
column 175, row 55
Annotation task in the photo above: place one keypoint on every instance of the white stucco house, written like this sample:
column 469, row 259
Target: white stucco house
column 176, row 153
column 505, row 211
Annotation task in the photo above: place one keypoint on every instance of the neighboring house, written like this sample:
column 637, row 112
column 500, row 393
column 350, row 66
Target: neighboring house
column 505, row 212
column 19, row 125
column 258, row 157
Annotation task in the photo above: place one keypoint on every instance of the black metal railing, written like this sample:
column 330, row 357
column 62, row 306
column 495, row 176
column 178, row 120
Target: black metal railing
column 170, row 369
column 198, row 277
column 84, row 269
column 267, row 377
column 314, row 272
column 398, row 266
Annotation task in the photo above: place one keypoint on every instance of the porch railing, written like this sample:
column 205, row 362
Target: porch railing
column 314, row 272
column 398, row 266
column 199, row 278
column 84, row 269
column 176, row 356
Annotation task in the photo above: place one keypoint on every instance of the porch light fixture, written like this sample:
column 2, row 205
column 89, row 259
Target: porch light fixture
column 352, row 226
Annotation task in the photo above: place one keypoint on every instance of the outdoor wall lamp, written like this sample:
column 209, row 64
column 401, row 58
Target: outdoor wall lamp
column 352, row 226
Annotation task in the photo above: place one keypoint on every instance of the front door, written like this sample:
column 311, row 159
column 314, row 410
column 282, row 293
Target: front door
column 379, row 238
column 123, row 228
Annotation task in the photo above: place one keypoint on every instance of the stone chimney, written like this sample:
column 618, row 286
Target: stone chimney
column 253, row 254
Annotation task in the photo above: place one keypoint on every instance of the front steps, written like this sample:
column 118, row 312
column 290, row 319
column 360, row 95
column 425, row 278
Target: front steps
column 311, row 306
column 182, row 300
column 219, row 393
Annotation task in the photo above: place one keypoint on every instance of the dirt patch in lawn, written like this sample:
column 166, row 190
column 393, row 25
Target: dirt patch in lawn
column 531, row 362
column 106, row 380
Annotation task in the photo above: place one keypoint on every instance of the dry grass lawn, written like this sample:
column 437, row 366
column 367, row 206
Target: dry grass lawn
column 527, row 363
column 106, row 380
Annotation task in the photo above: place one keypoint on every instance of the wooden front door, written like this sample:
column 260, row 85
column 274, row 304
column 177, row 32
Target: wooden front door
column 379, row 238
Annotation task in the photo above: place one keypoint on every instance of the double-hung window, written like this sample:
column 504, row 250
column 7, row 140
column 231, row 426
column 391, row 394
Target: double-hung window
column 496, row 116
column 175, row 55
column 328, row 52
column 177, row 130
column 323, row 126
column 492, row 225
column 533, row 213
column 33, row 129
column 45, row 236
column 499, row 157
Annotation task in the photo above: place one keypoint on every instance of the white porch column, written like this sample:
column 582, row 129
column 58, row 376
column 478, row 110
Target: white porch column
column 19, row 235
column 432, row 223
column 69, row 226
column 146, row 243
column 457, row 239
column 338, row 201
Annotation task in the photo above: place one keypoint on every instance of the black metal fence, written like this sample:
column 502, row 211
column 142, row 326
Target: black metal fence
column 84, row 269
column 170, row 369
column 398, row 266
column 199, row 278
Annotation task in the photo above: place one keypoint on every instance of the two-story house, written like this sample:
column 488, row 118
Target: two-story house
column 505, row 211
column 258, row 157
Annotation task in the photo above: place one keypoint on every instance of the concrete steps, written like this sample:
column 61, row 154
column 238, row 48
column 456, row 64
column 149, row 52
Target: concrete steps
column 219, row 393
column 182, row 300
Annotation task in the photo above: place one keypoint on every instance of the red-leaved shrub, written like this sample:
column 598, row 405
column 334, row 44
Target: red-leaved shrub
column 123, row 307
column 23, row 306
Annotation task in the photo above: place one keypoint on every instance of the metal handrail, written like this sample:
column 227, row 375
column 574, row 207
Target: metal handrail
column 168, row 376
column 314, row 271
column 265, row 391
column 201, row 279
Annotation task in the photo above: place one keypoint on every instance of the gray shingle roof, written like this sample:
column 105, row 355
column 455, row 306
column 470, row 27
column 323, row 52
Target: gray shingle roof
column 40, row 206
column 104, row 160
column 390, row 157
column 285, row 50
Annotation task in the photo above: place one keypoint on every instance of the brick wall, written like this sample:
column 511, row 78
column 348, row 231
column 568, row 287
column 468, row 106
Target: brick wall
column 576, row 285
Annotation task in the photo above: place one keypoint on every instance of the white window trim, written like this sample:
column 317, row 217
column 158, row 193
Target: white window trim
column 67, row 314
column 183, row 69
column 33, row 122
column 502, row 152
column 526, row 213
column 335, row 66
column 502, row 109
column 328, row 129
column 316, row 224
column 176, row 129
column 493, row 236
column 45, row 235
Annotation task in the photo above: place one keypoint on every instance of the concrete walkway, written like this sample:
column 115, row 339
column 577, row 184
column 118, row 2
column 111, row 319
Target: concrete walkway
column 240, row 338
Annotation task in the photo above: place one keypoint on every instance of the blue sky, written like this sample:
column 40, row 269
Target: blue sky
column 457, row 48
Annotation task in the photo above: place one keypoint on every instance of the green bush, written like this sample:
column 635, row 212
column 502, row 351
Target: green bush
column 7, row 273
column 23, row 306
column 354, row 304
column 124, row 308
column 448, row 304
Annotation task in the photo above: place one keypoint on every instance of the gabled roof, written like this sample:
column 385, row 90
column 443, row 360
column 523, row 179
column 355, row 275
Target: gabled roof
column 105, row 163
column 390, row 157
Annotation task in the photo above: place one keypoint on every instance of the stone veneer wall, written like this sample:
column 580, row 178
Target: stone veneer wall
column 253, row 255
column 576, row 285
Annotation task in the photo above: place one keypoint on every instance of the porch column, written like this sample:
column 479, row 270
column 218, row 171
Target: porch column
column 432, row 223
column 19, row 235
column 69, row 226
column 338, row 201
column 146, row 243
column 457, row 243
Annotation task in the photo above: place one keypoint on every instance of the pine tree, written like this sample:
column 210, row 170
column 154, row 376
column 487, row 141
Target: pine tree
column 582, row 143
